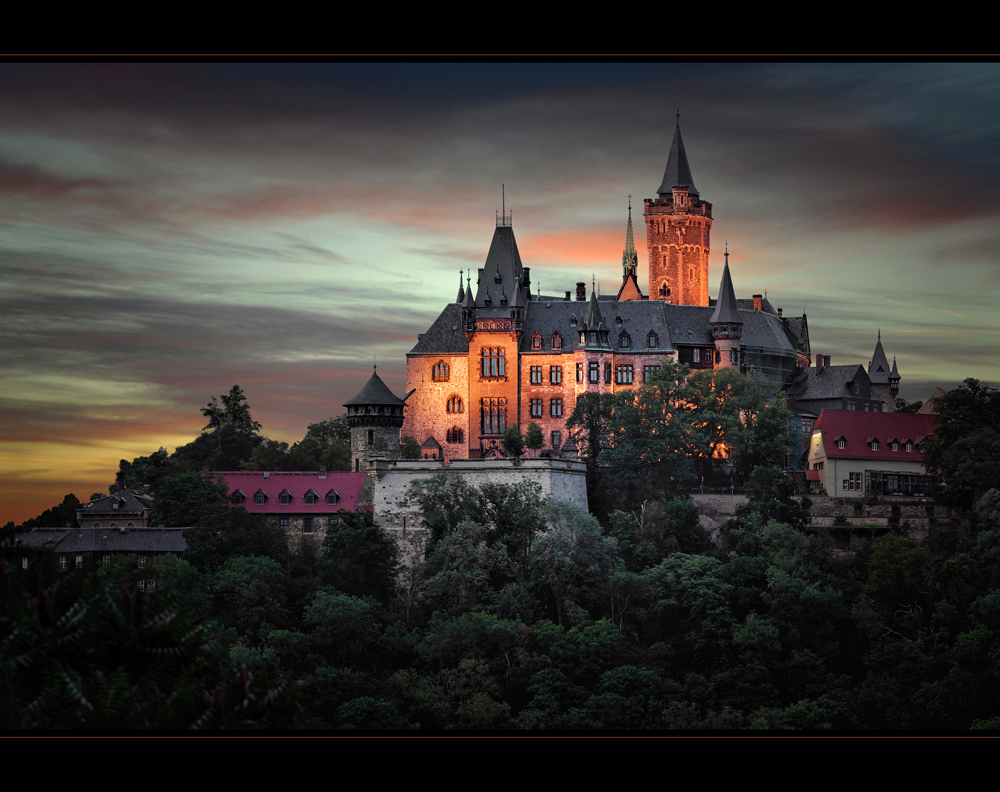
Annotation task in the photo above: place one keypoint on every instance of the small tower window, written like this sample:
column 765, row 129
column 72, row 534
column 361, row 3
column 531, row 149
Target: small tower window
column 371, row 436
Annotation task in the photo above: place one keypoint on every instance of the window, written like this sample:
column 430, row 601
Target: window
column 854, row 482
column 556, row 340
column 652, row 341
column 455, row 434
column 97, row 525
column 114, row 505
column 494, row 415
column 850, row 404
column 909, row 448
column 625, row 341
column 310, row 497
column 572, row 321
column 536, row 340
column 307, row 525
column 555, row 375
column 841, row 444
column 874, row 445
column 536, row 408
column 371, row 437
column 106, row 560
column 555, row 408
column 142, row 561
column 734, row 356
column 283, row 524
column 607, row 373
column 595, row 372
column 79, row 561
column 260, row 498
column 237, row 497
column 493, row 362
column 331, row 522
column 142, row 585
column 895, row 446
column 454, row 404
column 579, row 372
column 151, row 585
column 857, row 388
column 696, row 355
column 556, row 439
column 285, row 498
column 24, row 562
column 536, row 375
column 332, row 498
column 623, row 375
column 440, row 372
column 62, row 562
column 647, row 372
column 618, row 321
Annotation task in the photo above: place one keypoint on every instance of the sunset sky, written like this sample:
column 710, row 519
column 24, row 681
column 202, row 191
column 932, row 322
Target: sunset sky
column 169, row 230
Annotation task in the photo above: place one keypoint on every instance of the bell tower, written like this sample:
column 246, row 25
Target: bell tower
column 678, row 223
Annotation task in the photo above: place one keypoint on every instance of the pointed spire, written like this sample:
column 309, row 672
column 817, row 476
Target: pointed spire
column 878, row 369
column 726, row 307
column 630, row 259
column 593, row 320
column 515, row 300
column 468, row 301
column 461, row 290
column 677, row 172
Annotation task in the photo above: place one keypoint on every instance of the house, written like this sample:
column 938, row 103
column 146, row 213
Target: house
column 88, row 547
column 301, row 503
column 127, row 508
column 870, row 454
column 499, row 355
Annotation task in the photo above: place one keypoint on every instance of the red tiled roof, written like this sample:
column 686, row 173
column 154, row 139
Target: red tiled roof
column 812, row 475
column 298, row 483
column 858, row 428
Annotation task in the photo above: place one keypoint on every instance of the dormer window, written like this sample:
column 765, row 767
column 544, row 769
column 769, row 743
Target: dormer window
column 618, row 321
column 536, row 340
column 895, row 446
column 237, row 497
column 857, row 388
column 310, row 498
column 909, row 448
column 114, row 504
column 625, row 341
column 556, row 341
column 572, row 321
column 260, row 497
column 652, row 340
column 332, row 497
column 841, row 444
column 285, row 498
column 440, row 372
column 874, row 445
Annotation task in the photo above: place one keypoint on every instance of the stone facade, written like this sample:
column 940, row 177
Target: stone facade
column 677, row 239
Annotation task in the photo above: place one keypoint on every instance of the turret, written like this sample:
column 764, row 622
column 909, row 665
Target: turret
column 375, row 417
column 727, row 326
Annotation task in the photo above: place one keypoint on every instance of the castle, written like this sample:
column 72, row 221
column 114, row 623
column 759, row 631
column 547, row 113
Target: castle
column 499, row 355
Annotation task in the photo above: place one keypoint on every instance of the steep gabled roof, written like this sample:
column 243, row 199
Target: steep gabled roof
column 828, row 382
column 677, row 172
column 860, row 428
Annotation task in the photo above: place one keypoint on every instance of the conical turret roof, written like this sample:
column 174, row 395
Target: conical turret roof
column 726, row 308
column 375, row 392
column 878, row 369
column 678, row 172
column 594, row 318
column 629, row 257
column 503, row 262
column 461, row 289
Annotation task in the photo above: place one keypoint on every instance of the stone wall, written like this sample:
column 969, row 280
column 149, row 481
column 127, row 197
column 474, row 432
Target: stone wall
column 398, row 513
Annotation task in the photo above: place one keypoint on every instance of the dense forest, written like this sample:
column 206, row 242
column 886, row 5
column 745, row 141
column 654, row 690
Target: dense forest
column 528, row 614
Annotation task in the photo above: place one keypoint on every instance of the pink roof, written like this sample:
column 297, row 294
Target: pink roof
column 859, row 428
column 347, row 486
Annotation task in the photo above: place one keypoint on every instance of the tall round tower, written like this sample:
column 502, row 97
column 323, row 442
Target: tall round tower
column 678, row 224
column 375, row 416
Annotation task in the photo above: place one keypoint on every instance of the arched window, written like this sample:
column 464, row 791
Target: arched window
column 441, row 371
column 536, row 340
column 455, row 434
column 625, row 341
column 494, row 362
column 556, row 341
column 455, row 404
column 652, row 340
column 572, row 321
column 618, row 321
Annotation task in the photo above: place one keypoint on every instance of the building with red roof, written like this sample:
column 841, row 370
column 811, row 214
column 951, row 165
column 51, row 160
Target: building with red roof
column 870, row 454
column 301, row 503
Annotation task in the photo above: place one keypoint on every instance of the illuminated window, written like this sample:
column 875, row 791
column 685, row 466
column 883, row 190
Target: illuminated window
column 555, row 375
column 579, row 372
column 536, row 375
column 556, row 408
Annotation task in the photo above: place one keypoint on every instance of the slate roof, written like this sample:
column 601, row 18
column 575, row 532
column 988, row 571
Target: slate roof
column 131, row 501
column 928, row 407
column 375, row 392
column 858, row 427
column 445, row 336
column 503, row 261
column 638, row 318
column 677, row 172
column 109, row 540
column 298, row 483
column 726, row 307
column 828, row 382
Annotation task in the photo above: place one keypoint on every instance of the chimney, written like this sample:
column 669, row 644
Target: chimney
column 779, row 313
column 819, row 363
column 526, row 278
column 118, row 485
column 568, row 295
column 322, row 471
column 756, row 301
column 581, row 291
column 827, row 359
column 479, row 277
column 145, row 489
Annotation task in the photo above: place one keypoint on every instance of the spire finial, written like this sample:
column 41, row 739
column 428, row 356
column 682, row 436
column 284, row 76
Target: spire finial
column 503, row 200
column 678, row 115
column 374, row 364
column 880, row 334
column 727, row 252
column 630, row 204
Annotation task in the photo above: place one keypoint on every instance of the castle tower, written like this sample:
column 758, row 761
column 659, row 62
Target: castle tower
column 727, row 327
column 630, row 264
column 594, row 353
column 678, row 223
column 375, row 416
column 885, row 381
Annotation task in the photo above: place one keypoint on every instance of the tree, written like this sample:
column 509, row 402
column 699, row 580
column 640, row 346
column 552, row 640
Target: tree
column 533, row 437
column 63, row 514
column 409, row 448
column 965, row 448
column 359, row 558
column 513, row 442
column 904, row 406
column 236, row 433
